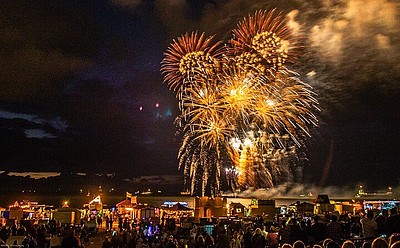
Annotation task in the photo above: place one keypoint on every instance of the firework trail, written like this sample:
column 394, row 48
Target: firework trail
column 244, row 113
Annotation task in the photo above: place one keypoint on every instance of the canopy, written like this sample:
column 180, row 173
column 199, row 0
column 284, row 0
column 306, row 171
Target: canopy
column 179, row 207
column 124, row 203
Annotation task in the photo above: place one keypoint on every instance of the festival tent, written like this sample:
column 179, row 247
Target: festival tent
column 179, row 207
column 124, row 203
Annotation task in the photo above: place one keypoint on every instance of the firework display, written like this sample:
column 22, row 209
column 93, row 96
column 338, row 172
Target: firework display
column 244, row 114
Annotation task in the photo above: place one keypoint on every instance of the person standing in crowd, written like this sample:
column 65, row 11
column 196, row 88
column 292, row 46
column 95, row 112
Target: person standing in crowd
column 223, row 239
column 369, row 226
column 21, row 230
column 284, row 234
column 395, row 245
column 235, row 240
column 333, row 229
column 393, row 222
column 208, row 240
column 200, row 243
column 171, row 242
column 120, row 223
column 395, row 237
column 247, row 237
column 299, row 244
column 71, row 240
column 99, row 221
column 106, row 243
column 258, row 240
column 107, row 221
column 318, row 230
column 272, row 238
column 381, row 221
column 241, row 233
column 348, row 244
column 110, row 223
column 291, row 233
column 379, row 243
column 264, row 232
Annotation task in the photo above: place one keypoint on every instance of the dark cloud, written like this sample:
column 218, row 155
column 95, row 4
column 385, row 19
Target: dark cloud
column 32, row 125
column 39, row 134
column 43, row 44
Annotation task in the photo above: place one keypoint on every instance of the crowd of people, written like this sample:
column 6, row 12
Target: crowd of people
column 26, row 234
column 373, row 229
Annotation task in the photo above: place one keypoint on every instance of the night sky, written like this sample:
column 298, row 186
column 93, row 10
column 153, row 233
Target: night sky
column 81, row 88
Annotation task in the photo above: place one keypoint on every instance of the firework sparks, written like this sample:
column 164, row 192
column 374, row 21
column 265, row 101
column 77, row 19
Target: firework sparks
column 190, row 55
column 241, row 107
column 264, row 39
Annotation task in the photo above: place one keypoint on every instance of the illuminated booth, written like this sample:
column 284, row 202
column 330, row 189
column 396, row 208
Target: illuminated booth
column 236, row 209
column 302, row 207
column 207, row 207
column 2, row 219
column 179, row 212
column 125, row 208
column 95, row 204
column 144, row 211
column 323, row 204
column 129, row 208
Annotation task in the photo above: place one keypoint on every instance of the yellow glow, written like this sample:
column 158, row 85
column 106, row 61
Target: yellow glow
column 235, row 143
column 248, row 142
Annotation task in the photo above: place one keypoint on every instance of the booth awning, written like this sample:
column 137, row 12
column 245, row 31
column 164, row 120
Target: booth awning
column 179, row 207
column 124, row 203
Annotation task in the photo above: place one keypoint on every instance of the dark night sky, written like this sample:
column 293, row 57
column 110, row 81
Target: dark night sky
column 74, row 75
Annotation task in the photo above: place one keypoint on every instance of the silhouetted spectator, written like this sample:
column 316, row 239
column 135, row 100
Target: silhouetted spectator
column 379, row 243
column 71, row 240
column 381, row 221
column 258, row 240
column 318, row 230
column 393, row 222
column 369, row 226
column 348, row 244
column 333, row 229
column 247, row 237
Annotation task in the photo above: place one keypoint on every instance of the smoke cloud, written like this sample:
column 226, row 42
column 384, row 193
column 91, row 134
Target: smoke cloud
column 299, row 190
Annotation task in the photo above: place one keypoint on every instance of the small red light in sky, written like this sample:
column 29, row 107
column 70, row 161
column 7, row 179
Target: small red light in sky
column 140, row 108
column 157, row 105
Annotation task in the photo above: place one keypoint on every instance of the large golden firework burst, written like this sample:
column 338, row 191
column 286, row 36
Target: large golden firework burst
column 244, row 113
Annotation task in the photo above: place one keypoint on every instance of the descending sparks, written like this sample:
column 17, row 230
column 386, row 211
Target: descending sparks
column 244, row 114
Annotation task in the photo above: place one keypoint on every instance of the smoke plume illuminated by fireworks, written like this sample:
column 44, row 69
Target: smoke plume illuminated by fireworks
column 244, row 114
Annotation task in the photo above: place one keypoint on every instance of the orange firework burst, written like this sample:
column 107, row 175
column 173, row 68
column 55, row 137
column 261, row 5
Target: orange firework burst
column 188, row 55
column 264, row 41
column 241, row 107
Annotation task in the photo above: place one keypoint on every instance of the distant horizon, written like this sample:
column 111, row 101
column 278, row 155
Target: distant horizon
column 171, row 181
column 78, row 200
column 45, row 174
